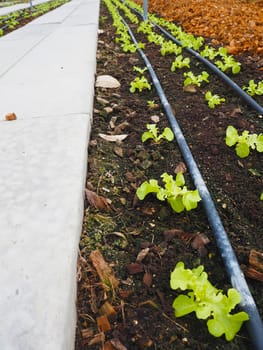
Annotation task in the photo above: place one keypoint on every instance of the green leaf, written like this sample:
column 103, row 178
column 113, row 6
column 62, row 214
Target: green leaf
column 184, row 305
column 261, row 196
column 168, row 134
column 259, row 143
column 146, row 136
column 147, row 187
column 242, row 149
column 180, row 277
column 190, row 199
column 176, row 203
column 226, row 324
column 231, row 136
column 180, row 179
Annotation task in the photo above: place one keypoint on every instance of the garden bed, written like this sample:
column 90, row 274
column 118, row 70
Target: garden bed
column 122, row 227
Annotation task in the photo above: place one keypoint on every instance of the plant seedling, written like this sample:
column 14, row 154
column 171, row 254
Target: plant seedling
column 139, row 70
column 207, row 301
column 174, row 191
column 151, row 104
column 168, row 48
column 180, row 62
column 253, row 88
column 243, row 142
column 213, row 100
column 261, row 196
column 192, row 79
column 229, row 63
column 152, row 133
column 140, row 84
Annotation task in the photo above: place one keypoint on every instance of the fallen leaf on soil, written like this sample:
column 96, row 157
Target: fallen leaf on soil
column 98, row 338
column 97, row 201
column 104, row 271
column 10, row 116
column 199, row 242
column 103, row 323
column 124, row 294
column 113, row 138
column 142, row 254
column 134, row 268
column 119, row 128
column 150, row 303
column 108, row 346
column 118, row 151
column 189, row 88
column 108, row 310
column 236, row 112
column 117, row 344
column 180, row 168
column 147, row 279
column 130, row 176
column 87, row 333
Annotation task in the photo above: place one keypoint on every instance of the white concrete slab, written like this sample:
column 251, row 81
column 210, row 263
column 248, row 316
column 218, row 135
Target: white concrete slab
column 41, row 212
column 46, row 78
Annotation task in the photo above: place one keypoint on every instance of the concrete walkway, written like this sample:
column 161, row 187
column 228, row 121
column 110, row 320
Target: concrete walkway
column 47, row 73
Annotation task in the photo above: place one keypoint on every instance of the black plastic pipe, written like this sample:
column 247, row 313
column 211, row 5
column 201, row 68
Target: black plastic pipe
column 254, row 325
column 248, row 99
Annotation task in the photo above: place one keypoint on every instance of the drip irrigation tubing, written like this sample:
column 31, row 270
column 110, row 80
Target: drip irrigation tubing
column 236, row 276
column 248, row 99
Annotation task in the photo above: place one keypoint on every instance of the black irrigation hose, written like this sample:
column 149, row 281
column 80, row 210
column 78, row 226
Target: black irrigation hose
column 249, row 100
column 255, row 325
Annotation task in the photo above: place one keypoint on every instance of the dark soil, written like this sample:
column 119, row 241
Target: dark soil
column 144, row 317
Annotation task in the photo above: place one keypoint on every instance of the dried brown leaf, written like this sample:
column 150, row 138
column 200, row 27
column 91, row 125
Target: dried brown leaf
column 147, row 279
column 103, row 323
column 10, row 116
column 98, row 338
column 118, row 151
column 180, row 168
column 117, row 344
column 142, row 254
column 119, row 128
column 199, row 242
column 104, row 270
column 134, row 268
column 97, row 201
column 113, row 138
column 190, row 88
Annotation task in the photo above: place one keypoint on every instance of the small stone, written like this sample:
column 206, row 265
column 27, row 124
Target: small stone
column 107, row 81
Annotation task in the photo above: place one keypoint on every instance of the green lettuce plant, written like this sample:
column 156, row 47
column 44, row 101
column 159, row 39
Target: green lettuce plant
column 174, row 192
column 209, row 52
column 192, row 79
column 213, row 100
column 139, row 83
column 139, row 70
column 243, row 142
column 168, row 48
column 253, row 88
column 152, row 133
column 180, row 62
column 207, row 301
column 228, row 63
